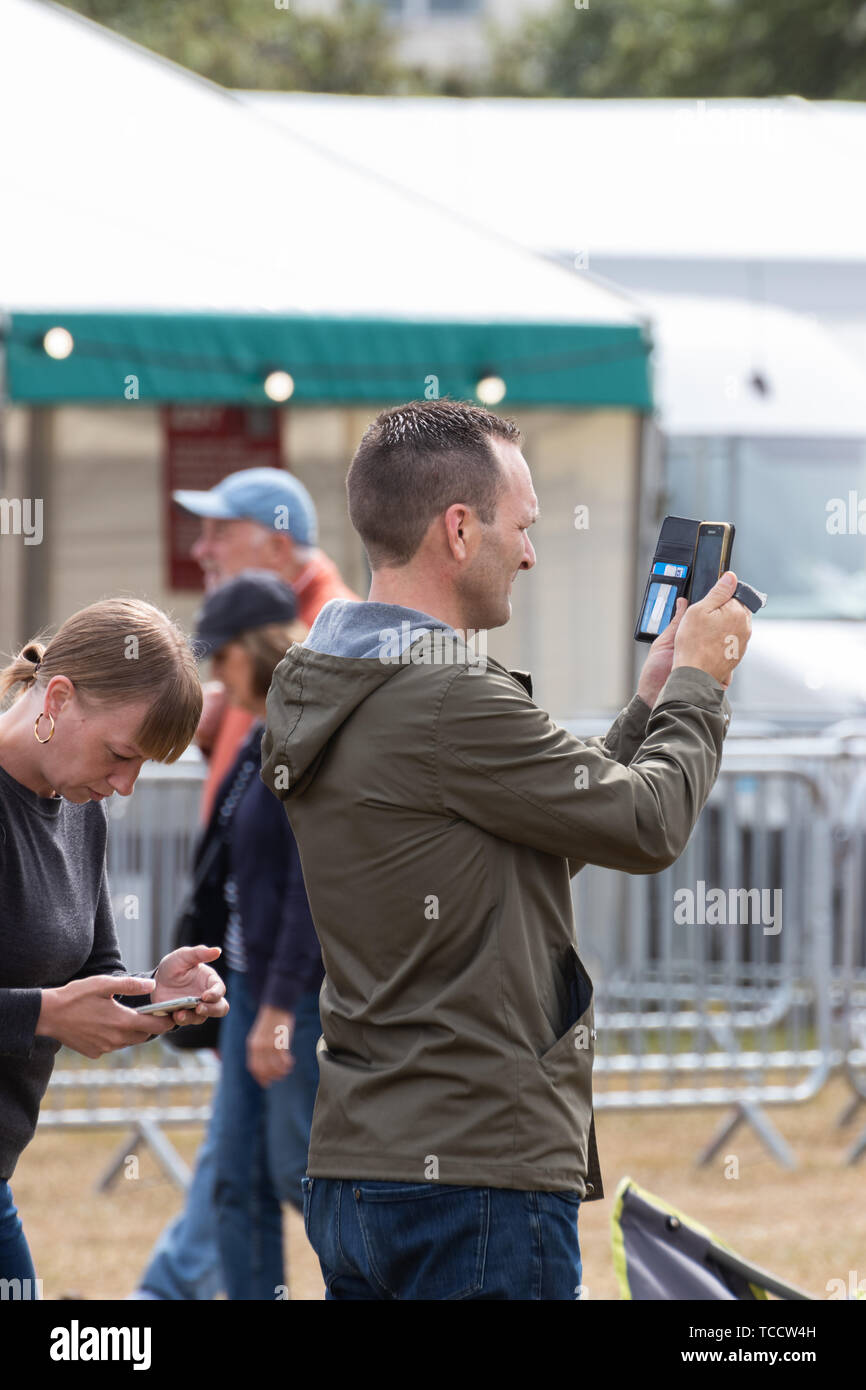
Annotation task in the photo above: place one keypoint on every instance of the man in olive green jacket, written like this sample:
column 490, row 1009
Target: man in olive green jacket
column 439, row 815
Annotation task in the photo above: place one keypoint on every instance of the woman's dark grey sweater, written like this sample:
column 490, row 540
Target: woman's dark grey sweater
column 56, row 925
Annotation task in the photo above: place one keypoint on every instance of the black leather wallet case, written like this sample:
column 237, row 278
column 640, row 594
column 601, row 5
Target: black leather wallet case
column 670, row 578
column 675, row 551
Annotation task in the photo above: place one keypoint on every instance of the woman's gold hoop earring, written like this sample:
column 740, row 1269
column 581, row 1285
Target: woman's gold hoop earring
column 36, row 728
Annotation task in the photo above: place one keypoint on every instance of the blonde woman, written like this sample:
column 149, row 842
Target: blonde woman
column 115, row 686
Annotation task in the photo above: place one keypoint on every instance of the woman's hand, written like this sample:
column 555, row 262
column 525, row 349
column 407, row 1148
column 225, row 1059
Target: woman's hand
column 268, row 1045
column 184, row 972
column 84, row 1016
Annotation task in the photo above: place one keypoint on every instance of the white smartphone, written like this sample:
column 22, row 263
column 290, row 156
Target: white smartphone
column 170, row 1006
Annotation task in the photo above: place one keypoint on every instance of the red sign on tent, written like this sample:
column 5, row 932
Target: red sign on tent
column 201, row 445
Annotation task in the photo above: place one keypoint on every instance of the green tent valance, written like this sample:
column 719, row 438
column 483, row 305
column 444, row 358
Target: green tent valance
column 187, row 357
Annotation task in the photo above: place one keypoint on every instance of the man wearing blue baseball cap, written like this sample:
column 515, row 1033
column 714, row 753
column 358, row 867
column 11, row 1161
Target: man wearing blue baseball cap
column 264, row 519
column 270, row 513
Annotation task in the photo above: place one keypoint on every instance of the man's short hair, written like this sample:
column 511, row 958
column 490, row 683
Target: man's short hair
column 413, row 463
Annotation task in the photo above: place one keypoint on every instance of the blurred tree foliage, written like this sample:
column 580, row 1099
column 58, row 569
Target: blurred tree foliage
column 686, row 48
column 580, row 48
column 252, row 43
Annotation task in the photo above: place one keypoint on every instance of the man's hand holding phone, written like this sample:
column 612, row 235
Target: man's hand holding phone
column 713, row 634
column 660, row 658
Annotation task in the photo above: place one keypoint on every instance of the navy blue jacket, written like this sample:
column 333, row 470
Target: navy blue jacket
column 284, row 959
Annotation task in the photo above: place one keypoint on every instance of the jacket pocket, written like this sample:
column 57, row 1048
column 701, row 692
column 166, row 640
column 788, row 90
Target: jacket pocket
column 565, row 1072
column 579, row 1036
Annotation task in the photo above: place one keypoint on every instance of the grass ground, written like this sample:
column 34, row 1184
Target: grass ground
column 807, row 1226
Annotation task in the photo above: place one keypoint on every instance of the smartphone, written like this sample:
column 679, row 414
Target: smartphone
column 170, row 1006
column 712, row 557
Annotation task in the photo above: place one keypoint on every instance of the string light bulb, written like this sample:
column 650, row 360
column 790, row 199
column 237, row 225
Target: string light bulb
column 490, row 390
column 58, row 343
column 279, row 386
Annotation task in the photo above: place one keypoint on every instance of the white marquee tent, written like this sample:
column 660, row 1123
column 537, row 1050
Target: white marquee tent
column 132, row 187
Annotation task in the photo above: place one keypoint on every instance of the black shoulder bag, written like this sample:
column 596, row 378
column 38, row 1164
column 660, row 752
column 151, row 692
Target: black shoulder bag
column 203, row 917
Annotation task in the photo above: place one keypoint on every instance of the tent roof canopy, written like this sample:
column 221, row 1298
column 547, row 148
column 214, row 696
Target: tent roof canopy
column 722, row 196
column 184, row 238
column 729, row 178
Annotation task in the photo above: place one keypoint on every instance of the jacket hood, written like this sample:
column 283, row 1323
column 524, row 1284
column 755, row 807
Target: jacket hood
column 351, row 650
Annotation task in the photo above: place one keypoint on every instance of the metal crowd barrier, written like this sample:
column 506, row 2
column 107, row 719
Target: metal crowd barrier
column 151, row 838
column 851, row 985
column 745, row 1012
column 736, row 978
column 143, row 1090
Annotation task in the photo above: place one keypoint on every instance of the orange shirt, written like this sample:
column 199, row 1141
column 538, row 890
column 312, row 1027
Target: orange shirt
column 316, row 585
column 318, row 582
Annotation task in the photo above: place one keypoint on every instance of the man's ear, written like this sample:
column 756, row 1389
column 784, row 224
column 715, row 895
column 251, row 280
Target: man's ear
column 458, row 524
column 280, row 548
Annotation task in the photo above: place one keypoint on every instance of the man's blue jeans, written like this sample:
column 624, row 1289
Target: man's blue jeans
column 385, row 1240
